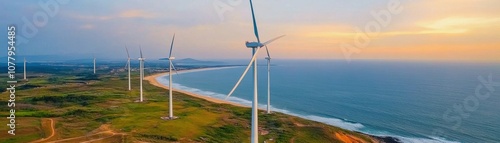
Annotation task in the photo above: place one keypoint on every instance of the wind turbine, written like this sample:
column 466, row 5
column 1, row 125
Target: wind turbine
column 94, row 63
column 268, row 58
column 255, row 50
column 171, row 65
column 24, row 68
column 128, row 64
column 141, row 69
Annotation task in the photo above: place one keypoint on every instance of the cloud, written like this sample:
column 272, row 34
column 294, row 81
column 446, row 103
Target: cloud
column 449, row 25
column 458, row 24
column 136, row 14
column 89, row 17
column 126, row 14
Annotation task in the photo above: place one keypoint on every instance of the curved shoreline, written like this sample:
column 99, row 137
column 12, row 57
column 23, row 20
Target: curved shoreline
column 152, row 80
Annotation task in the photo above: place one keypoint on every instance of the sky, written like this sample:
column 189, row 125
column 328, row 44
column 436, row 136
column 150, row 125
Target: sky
column 439, row 30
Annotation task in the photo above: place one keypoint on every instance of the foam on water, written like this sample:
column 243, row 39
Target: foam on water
column 406, row 139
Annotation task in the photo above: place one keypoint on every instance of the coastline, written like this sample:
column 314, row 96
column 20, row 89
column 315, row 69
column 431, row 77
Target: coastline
column 152, row 80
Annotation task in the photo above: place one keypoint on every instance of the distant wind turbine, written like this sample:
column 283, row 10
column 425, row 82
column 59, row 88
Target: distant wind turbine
column 94, row 63
column 25, row 69
column 171, row 66
column 128, row 64
column 268, row 58
column 141, row 69
column 255, row 49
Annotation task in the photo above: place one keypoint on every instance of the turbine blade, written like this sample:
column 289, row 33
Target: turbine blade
column 128, row 55
column 244, row 73
column 255, row 29
column 173, row 67
column 126, row 65
column 267, row 50
column 140, row 49
column 272, row 40
column 171, row 46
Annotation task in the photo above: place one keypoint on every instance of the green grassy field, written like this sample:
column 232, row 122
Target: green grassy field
column 81, row 104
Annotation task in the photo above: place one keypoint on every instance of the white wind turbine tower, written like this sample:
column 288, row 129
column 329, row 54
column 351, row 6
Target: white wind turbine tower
column 128, row 64
column 171, row 66
column 268, row 58
column 94, row 63
column 141, row 69
column 255, row 49
column 24, row 68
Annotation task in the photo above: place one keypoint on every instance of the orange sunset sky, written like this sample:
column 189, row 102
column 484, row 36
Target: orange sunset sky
column 440, row 30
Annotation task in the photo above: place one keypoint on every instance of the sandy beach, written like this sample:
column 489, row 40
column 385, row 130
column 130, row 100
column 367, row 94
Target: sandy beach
column 152, row 80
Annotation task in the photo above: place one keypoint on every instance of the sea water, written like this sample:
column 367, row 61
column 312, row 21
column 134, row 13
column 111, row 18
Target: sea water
column 412, row 101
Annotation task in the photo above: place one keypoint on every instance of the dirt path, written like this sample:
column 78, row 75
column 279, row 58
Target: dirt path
column 112, row 134
column 84, row 138
column 52, row 129
column 103, row 133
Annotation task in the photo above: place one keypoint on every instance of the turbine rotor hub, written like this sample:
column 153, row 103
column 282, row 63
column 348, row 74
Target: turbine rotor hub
column 253, row 44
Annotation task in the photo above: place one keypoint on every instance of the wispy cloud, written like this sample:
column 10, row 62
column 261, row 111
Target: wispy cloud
column 89, row 17
column 449, row 25
column 127, row 14
column 136, row 14
column 458, row 24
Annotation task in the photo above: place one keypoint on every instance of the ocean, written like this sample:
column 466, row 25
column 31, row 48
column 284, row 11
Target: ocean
column 412, row 101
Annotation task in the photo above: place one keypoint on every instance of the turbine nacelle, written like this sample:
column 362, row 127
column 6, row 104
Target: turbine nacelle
column 268, row 58
column 141, row 59
column 253, row 44
column 171, row 58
